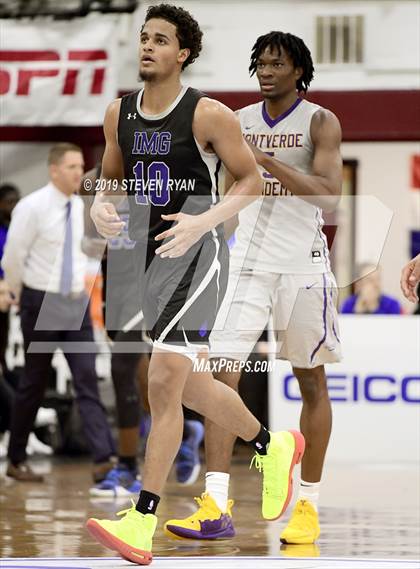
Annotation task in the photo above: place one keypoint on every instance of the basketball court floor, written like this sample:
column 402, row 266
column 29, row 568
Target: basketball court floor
column 369, row 519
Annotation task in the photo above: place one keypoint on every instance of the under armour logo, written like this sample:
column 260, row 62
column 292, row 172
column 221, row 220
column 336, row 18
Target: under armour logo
column 131, row 116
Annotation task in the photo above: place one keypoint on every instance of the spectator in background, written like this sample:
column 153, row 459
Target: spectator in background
column 6, row 391
column 369, row 298
column 45, row 268
column 7, row 398
column 9, row 197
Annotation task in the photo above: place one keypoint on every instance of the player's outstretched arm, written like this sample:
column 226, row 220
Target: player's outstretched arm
column 410, row 278
column 103, row 212
column 215, row 126
column 323, row 187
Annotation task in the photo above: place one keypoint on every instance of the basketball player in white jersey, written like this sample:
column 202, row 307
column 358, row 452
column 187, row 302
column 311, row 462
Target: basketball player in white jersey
column 280, row 266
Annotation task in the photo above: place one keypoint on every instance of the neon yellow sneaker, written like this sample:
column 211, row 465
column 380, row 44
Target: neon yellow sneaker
column 208, row 522
column 303, row 526
column 285, row 450
column 131, row 536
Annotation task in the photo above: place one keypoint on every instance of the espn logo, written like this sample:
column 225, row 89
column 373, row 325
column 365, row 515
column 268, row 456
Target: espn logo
column 23, row 66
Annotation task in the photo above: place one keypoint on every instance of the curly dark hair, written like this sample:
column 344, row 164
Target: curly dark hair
column 187, row 29
column 295, row 47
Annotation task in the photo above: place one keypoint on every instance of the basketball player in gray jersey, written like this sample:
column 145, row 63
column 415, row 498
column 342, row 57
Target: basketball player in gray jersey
column 171, row 140
column 280, row 266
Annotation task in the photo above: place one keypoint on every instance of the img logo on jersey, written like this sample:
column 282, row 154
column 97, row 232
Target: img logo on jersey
column 151, row 143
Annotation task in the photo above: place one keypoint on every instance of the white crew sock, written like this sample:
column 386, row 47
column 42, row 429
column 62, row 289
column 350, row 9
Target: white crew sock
column 309, row 491
column 217, row 486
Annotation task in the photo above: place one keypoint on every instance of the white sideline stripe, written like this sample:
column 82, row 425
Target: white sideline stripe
column 219, row 562
column 215, row 557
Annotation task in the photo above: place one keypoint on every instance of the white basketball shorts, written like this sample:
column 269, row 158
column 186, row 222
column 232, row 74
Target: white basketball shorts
column 303, row 307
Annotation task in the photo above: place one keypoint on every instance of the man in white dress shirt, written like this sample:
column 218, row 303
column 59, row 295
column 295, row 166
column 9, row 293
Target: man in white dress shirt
column 45, row 269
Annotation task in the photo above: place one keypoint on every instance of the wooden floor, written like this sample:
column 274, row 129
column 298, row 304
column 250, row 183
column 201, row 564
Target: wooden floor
column 367, row 511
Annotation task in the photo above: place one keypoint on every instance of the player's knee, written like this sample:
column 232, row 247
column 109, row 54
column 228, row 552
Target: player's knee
column 164, row 390
column 312, row 384
column 229, row 375
column 192, row 402
column 159, row 390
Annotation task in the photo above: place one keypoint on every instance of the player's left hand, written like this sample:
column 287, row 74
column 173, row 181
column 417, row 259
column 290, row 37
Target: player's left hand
column 259, row 155
column 185, row 233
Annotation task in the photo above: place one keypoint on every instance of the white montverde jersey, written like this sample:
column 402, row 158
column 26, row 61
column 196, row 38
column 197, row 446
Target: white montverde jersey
column 279, row 232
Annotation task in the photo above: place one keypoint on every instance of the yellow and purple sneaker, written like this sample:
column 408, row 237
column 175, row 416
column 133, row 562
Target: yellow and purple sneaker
column 131, row 536
column 208, row 522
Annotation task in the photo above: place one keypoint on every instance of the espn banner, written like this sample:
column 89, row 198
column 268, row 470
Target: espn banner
column 57, row 73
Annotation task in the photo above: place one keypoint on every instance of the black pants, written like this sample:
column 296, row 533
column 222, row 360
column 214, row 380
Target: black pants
column 4, row 338
column 82, row 366
column 7, row 396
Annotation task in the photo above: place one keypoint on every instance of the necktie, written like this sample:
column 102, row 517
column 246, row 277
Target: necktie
column 67, row 266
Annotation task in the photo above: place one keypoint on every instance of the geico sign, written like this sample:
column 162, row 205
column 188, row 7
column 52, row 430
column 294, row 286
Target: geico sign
column 24, row 66
column 374, row 388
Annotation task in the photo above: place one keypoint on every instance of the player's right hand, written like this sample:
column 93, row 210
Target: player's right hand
column 6, row 297
column 410, row 278
column 106, row 219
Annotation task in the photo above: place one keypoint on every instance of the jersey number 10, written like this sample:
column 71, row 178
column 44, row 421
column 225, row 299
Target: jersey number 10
column 155, row 188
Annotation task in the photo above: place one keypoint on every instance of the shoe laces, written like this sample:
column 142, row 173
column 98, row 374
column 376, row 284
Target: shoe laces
column 265, row 464
column 301, row 515
column 128, row 510
column 200, row 500
column 257, row 461
column 304, row 508
column 202, row 506
column 301, row 507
